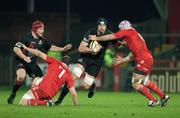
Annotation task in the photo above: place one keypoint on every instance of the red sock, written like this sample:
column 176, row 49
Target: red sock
column 34, row 102
column 143, row 90
column 151, row 85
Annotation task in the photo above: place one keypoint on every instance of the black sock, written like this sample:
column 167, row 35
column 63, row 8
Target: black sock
column 64, row 92
column 16, row 86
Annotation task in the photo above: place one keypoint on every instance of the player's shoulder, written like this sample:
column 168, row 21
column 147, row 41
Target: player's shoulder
column 130, row 30
column 108, row 31
column 27, row 36
column 92, row 31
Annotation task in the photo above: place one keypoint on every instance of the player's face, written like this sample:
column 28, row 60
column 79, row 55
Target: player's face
column 40, row 32
column 101, row 28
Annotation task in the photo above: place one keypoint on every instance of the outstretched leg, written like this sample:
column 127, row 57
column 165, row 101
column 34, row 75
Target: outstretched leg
column 21, row 74
column 64, row 92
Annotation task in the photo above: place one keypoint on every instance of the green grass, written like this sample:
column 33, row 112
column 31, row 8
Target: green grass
column 102, row 105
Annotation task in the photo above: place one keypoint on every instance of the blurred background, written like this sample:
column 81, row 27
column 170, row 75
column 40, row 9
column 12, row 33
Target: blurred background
column 66, row 21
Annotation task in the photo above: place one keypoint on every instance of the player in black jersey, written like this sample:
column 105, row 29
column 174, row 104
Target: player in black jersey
column 88, row 63
column 27, row 61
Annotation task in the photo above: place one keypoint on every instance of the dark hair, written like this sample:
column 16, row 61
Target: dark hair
column 66, row 59
column 102, row 20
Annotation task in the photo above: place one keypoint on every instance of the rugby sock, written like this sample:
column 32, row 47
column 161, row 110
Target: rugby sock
column 34, row 102
column 64, row 92
column 152, row 86
column 16, row 86
column 143, row 90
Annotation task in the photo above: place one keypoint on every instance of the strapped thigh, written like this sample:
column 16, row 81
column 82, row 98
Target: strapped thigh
column 137, row 81
column 88, row 79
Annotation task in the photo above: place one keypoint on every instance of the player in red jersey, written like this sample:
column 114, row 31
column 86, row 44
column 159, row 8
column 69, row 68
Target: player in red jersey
column 143, row 60
column 45, row 88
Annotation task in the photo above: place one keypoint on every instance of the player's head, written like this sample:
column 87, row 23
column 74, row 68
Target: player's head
column 102, row 24
column 38, row 28
column 66, row 59
column 124, row 24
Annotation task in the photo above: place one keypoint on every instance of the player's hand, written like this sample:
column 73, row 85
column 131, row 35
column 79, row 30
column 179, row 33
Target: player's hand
column 27, row 59
column 117, row 60
column 92, row 37
column 67, row 47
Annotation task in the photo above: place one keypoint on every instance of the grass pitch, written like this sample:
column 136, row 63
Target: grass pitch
column 102, row 105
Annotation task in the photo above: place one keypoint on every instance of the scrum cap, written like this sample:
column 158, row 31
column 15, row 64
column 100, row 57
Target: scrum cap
column 124, row 24
column 102, row 21
column 36, row 25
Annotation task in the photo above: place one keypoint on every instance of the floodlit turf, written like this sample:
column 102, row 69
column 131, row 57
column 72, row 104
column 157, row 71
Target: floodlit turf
column 102, row 105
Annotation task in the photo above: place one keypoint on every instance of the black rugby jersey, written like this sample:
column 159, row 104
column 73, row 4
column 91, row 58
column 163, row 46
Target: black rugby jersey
column 31, row 42
column 100, row 55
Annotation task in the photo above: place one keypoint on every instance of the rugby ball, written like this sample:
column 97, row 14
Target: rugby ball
column 93, row 44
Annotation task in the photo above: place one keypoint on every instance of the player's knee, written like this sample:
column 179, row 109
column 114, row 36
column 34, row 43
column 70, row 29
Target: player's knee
column 136, row 82
column 26, row 98
column 23, row 102
column 20, row 78
column 88, row 81
column 21, row 74
column 145, row 81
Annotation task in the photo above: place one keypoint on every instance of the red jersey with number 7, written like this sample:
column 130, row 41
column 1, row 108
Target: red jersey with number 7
column 57, row 74
column 138, row 48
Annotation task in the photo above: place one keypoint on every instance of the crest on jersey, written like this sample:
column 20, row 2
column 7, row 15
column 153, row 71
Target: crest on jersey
column 40, row 42
column 86, row 40
column 80, row 60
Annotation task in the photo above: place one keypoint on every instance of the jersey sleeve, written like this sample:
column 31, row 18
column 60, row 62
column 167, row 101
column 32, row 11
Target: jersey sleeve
column 86, row 36
column 50, row 60
column 120, row 34
column 70, row 82
column 25, row 40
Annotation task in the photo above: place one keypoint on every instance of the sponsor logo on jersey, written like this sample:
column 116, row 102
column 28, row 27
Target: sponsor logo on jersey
column 33, row 42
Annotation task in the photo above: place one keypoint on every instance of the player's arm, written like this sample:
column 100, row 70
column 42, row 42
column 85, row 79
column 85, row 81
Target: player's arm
column 114, row 36
column 106, row 37
column 130, row 55
column 35, row 52
column 84, row 45
column 119, row 60
column 56, row 48
column 48, row 46
column 83, row 48
column 127, row 58
column 103, row 38
column 20, row 54
column 74, row 96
